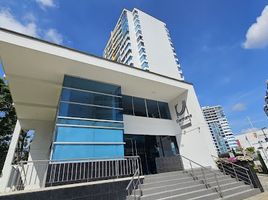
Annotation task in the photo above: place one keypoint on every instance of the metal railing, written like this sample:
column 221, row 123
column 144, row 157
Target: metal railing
column 46, row 173
column 204, row 176
column 238, row 172
column 134, row 185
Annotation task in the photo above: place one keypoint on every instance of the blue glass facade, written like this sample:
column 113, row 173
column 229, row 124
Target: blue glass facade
column 89, row 121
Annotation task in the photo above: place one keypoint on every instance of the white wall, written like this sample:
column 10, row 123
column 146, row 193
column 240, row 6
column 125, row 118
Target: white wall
column 159, row 52
column 255, row 139
column 195, row 142
column 148, row 126
column 39, row 150
column 40, row 147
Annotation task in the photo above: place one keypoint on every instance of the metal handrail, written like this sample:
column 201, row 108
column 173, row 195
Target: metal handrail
column 203, row 169
column 79, row 159
column 229, row 162
column 45, row 173
column 233, row 169
column 134, row 185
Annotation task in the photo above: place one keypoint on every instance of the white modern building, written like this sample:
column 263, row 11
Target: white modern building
column 84, row 107
column 219, row 127
column 143, row 41
column 257, row 139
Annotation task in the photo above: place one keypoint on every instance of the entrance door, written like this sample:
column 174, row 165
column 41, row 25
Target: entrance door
column 143, row 146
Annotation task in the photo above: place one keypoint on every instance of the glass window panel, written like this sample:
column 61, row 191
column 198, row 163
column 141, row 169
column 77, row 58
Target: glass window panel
column 77, row 134
column 96, row 86
column 152, row 109
column 164, row 110
column 139, row 107
column 142, row 58
column 142, row 50
column 145, row 64
column 89, row 123
column 64, row 151
column 81, row 111
column 127, row 105
column 90, row 98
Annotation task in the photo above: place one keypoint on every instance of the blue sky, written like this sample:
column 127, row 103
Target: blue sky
column 222, row 46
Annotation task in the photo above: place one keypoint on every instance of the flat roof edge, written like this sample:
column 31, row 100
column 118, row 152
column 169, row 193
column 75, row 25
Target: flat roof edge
column 88, row 54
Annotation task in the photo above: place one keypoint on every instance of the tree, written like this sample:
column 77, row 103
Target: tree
column 8, row 120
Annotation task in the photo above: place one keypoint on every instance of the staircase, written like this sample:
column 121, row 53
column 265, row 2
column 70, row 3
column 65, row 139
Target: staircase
column 180, row 185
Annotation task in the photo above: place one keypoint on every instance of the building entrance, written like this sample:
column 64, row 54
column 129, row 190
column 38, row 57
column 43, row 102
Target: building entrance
column 149, row 148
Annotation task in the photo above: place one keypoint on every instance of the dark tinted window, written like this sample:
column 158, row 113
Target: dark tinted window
column 127, row 105
column 90, row 98
column 139, row 107
column 92, row 112
column 152, row 108
column 95, row 86
column 164, row 110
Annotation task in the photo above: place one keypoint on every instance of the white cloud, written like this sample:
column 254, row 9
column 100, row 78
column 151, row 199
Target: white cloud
column 8, row 21
column 239, row 107
column 46, row 3
column 257, row 34
column 54, row 36
column 29, row 17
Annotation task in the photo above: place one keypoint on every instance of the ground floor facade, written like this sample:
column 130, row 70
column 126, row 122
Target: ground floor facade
column 82, row 107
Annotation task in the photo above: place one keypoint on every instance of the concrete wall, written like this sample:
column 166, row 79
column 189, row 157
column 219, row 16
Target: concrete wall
column 158, row 50
column 115, row 189
column 39, row 150
column 195, row 141
column 40, row 147
column 148, row 126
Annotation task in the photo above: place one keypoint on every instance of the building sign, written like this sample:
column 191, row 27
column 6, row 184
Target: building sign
column 183, row 115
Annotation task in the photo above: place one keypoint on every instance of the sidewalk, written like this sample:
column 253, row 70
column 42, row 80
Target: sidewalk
column 264, row 195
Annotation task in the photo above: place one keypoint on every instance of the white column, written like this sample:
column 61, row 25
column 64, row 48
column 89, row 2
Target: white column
column 9, row 158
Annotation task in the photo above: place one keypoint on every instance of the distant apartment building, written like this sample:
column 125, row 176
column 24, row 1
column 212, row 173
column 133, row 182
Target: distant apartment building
column 266, row 100
column 220, row 130
column 255, row 138
column 143, row 41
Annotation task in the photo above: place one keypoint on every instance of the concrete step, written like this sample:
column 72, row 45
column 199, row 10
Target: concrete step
column 227, row 185
column 242, row 195
column 175, row 195
column 179, row 185
column 222, row 180
column 210, row 176
column 233, row 190
column 165, row 174
column 234, row 193
column 165, row 178
column 182, row 182
column 188, row 188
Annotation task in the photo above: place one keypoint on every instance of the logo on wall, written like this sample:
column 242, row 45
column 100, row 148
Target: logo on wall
column 183, row 115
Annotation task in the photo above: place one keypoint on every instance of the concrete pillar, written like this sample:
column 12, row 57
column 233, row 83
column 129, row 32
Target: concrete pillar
column 9, row 158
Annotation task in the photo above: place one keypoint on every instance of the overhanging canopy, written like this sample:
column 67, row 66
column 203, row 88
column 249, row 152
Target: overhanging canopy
column 35, row 71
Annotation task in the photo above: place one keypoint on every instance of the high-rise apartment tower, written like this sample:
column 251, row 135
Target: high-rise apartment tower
column 143, row 41
column 222, row 135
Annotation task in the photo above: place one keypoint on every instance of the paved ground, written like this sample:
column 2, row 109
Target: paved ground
column 264, row 195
